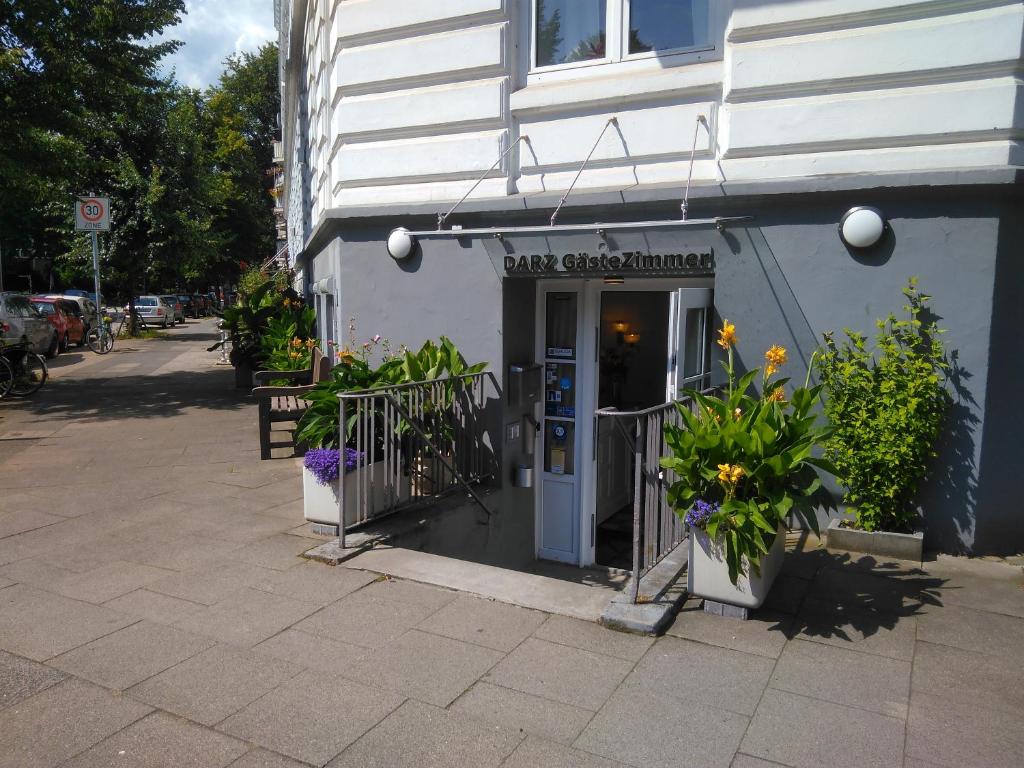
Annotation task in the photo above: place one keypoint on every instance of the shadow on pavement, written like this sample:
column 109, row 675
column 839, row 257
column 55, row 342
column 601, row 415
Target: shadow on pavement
column 133, row 396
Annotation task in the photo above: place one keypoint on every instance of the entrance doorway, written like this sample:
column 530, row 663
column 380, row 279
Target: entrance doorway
column 627, row 347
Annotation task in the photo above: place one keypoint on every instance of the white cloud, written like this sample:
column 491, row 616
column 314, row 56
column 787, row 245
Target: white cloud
column 211, row 30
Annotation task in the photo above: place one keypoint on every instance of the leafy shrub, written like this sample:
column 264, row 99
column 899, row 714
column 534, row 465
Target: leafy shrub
column 887, row 407
column 320, row 425
column 744, row 461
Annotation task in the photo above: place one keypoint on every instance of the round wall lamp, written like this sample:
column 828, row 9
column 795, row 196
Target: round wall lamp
column 400, row 243
column 862, row 227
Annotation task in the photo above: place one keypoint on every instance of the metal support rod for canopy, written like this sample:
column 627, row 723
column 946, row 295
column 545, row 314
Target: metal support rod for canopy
column 579, row 173
column 719, row 222
column 693, row 151
column 441, row 217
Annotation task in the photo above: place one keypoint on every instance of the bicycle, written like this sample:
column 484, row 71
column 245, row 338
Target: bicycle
column 26, row 370
column 100, row 339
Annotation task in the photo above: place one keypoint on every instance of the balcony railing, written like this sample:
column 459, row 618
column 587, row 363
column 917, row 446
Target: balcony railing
column 417, row 443
column 657, row 530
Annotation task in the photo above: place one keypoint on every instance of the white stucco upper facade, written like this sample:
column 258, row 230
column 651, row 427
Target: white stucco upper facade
column 394, row 101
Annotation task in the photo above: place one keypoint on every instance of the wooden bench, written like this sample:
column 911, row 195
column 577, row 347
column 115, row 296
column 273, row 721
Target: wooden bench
column 279, row 404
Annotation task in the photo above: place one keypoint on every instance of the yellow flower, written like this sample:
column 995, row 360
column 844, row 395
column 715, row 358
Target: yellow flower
column 727, row 336
column 294, row 355
column 287, row 303
column 310, row 343
column 769, row 369
column 736, row 474
column 737, row 414
column 729, row 475
column 296, row 342
column 776, row 396
column 724, row 472
column 775, row 357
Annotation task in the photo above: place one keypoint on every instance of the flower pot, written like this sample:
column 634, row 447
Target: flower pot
column 708, row 573
column 901, row 546
column 320, row 502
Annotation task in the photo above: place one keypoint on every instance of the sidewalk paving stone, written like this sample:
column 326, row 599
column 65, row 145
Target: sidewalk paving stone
column 484, row 622
column 808, row 733
column 861, row 630
column 314, row 582
column 311, row 652
column 972, row 630
column 210, row 583
column 422, row 666
column 130, row 655
column 61, row 721
column 417, row 735
column 162, row 741
column 260, row 758
column 702, row 675
column 278, row 551
column 558, row 672
column 969, row 678
column 588, row 636
column 40, row 625
column 377, row 613
column 844, row 677
column 507, row 708
column 153, row 606
column 534, row 753
column 21, row 520
column 761, row 634
column 950, row 733
column 214, row 684
column 312, row 717
column 21, row 678
column 650, row 730
column 109, row 581
column 247, row 617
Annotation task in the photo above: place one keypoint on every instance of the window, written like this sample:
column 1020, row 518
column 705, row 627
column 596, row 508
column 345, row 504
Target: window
column 575, row 31
column 662, row 25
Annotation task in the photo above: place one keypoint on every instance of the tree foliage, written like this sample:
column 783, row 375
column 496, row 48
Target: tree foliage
column 84, row 108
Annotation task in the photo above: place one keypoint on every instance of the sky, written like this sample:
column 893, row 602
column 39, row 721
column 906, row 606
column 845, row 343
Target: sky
column 211, row 30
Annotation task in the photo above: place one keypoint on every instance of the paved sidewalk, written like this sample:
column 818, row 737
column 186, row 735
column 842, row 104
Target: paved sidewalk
column 154, row 611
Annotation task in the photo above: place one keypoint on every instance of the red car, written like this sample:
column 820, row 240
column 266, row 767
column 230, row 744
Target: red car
column 65, row 317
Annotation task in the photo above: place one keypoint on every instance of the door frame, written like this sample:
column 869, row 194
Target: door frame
column 587, row 381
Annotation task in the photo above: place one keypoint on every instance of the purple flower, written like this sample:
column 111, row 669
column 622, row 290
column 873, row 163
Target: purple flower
column 324, row 463
column 700, row 513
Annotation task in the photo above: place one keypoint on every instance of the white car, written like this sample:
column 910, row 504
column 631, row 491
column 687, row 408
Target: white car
column 154, row 311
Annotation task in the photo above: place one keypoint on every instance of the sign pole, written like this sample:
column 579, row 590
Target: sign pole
column 96, row 276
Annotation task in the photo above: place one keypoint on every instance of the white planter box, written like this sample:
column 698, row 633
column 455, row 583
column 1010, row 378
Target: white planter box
column 320, row 502
column 708, row 573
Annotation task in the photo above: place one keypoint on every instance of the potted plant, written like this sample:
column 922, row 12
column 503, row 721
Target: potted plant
column 887, row 408
column 744, row 462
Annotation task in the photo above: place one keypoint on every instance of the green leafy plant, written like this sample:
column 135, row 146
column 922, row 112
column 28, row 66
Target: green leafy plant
column 887, row 408
column 746, row 461
column 320, row 426
column 287, row 342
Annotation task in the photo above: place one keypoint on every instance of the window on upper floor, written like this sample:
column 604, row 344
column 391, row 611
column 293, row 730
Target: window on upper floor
column 573, row 31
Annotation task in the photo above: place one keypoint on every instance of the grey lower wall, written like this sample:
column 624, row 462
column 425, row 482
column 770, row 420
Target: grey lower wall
column 792, row 279
column 787, row 280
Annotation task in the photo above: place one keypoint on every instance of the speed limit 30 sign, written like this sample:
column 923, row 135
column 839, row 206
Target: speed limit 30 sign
column 92, row 214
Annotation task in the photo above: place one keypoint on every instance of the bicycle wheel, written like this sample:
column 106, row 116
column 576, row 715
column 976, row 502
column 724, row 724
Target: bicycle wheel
column 6, row 378
column 29, row 374
column 100, row 341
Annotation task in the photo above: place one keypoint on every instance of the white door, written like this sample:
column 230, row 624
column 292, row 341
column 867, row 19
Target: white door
column 560, row 339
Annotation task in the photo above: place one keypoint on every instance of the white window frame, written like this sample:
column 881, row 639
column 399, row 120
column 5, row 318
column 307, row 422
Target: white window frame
column 617, row 40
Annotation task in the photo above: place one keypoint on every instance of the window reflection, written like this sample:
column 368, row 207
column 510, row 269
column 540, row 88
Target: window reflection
column 661, row 25
column 570, row 30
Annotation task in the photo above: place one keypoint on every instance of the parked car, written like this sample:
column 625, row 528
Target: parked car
column 154, row 310
column 202, row 303
column 20, row 322
column 86, row 307
column 175, row 303
column 64, row 317
column 188, row 305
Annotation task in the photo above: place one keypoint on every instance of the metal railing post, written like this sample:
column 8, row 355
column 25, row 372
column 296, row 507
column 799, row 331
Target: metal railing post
column 341, row 478
column 638, row 490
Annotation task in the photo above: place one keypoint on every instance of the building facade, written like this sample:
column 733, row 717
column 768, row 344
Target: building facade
column 771, row 119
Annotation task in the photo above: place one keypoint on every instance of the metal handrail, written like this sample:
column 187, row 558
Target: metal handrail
column 650, row 530
column 387, row 413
